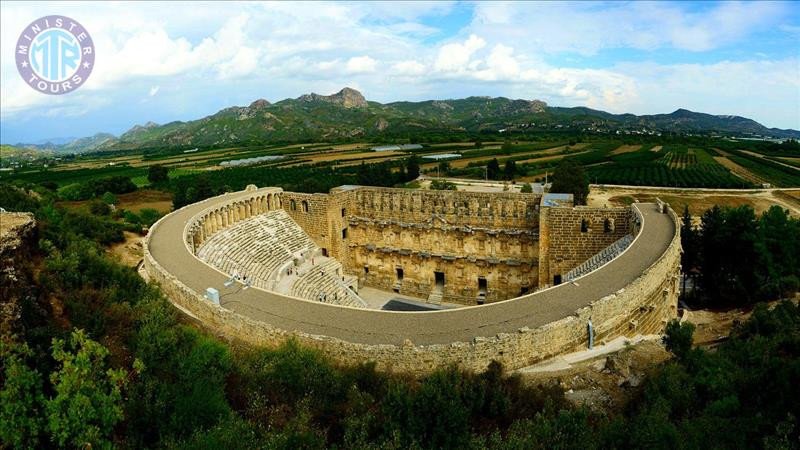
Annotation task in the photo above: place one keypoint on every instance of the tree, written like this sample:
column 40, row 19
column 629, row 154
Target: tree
column 569, row 178
column 510, row 170
column 99, row 208
column 21, row 398
column 526, row 188
column 493, row 169
column 412, row 168
column 157, row 174
column 689, row 244
column 109, row 198
column 444, row 168
column 88, row 396
column 678, row 338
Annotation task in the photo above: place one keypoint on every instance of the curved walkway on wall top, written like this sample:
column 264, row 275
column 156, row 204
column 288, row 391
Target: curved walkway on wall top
column 165, row 247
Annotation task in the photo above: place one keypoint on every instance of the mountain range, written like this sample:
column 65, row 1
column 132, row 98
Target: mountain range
column 347, row 115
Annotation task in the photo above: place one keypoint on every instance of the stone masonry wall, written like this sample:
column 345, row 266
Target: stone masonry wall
column 571, row 235
column 500, row 210
column 463, row 235
column 643, row 306
column 504, row 259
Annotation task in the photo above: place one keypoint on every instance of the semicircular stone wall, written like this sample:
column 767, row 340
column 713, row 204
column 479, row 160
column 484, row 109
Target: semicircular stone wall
column 635, row 292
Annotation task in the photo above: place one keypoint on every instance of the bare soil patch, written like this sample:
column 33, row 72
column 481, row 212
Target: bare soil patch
column 537, row 155
column 146, row 198
column 9, row 222
column 626, row 149
column 340, row 156
column 606, row 383
column 697, row 200
column 738, row 170
column 713, row 326
column 657, row 148
column 129, row 252
column 793, row 194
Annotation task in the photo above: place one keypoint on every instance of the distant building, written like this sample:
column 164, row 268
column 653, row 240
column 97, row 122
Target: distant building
column 398, row 147
column 250, row 161
column 442, row 156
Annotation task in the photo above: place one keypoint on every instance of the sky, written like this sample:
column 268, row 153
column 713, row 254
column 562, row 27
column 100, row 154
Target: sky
column 167, row 61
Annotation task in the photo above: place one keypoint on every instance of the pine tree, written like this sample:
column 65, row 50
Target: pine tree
column 493, row 169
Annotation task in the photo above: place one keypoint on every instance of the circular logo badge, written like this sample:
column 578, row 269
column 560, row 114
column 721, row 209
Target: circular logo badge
column 55, row 55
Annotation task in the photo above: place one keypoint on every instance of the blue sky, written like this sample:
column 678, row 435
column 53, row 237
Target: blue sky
column 181, row 61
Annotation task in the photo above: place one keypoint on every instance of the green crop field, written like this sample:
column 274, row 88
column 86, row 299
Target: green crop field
column 674, row 165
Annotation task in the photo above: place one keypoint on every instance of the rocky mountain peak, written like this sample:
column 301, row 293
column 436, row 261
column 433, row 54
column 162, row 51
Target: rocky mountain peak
column 347, row 97
column 260, row 103
column 537, row 106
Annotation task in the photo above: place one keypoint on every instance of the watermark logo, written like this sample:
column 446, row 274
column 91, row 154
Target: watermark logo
column 55, row 55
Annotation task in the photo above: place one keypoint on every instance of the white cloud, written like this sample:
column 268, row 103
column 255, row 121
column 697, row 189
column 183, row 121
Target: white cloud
column 408, row 68
column 500, row 64
column 456, row 56
column 361, row 64
column 278, row 50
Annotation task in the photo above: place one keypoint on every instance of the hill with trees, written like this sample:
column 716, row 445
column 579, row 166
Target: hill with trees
column 347, row 115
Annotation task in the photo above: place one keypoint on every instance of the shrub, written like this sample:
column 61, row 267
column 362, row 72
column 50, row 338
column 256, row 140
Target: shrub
column 678, row 338
column 99, row 208
column 109, row 198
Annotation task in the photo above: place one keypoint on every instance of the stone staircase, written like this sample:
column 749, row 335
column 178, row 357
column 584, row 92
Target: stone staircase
column 435, row 297
column 602, row 257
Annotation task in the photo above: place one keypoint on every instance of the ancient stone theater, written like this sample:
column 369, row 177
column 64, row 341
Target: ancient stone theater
column 418, row 279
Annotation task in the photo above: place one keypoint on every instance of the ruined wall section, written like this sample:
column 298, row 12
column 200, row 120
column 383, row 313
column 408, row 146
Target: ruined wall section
column 323, row 217
column 498, row 210
column 483, row 246
column 568, row 236
column 479, row 265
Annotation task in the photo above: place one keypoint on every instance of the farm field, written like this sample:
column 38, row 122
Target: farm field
column 673, row 165
column 736, row 169
column 557, row 152
column 697, row 200
column 134, row 201
column 605, row 161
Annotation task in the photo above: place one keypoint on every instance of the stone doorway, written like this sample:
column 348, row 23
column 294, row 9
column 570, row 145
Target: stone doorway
column 438, row 278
